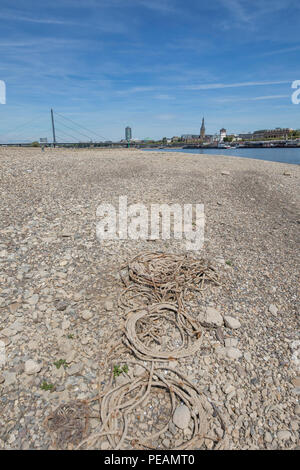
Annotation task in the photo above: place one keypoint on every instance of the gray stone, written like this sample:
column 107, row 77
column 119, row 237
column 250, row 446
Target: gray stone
column 33, row 299
column 231, row 342
column 233, row 353
column 212, row 317
column 87, row 315
column 32, row 367
column 138, row 371
column 10, row 378
column 231, row 322
column 273, row 309
column 75, row 369
column 109, row 305
column 61, row 305
column 284, row 435
column 268, row 437
column 182, row 416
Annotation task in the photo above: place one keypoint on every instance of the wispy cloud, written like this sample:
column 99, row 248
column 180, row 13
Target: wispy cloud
column 284, row 50
column 252, row 98
column 163, row 96
column 215, row 86
column 31, row 19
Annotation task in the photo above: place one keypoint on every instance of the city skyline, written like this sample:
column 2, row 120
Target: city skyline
column 153, row 65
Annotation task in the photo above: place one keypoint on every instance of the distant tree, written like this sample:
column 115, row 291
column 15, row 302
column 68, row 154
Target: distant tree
column 35, row 144
column 228, row 138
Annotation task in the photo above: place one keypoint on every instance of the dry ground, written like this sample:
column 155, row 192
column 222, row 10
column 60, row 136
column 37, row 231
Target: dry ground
column 53, row 269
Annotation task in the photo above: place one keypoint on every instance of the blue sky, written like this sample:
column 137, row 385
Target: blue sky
column 156, row 65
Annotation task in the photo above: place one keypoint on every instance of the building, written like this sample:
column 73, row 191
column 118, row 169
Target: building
column 202, row 131
column 245, row 136
column 223, row 134
column 277, row 133
column 189, row 137
column 128, row 133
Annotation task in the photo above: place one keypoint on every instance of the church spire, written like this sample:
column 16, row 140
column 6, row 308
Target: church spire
column 202, row 130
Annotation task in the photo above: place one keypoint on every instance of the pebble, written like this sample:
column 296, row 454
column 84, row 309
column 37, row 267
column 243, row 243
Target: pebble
column 268, row 437
column 87, row 315
column 296, row 381
column 105, row 445
column 273, row 309
column 212, row 317
column 182, row 416
column 231, row 322
column 61, row 305
column 233, row 353
column 75, row 369
column 231, row 342
column 284, row 435
column 10, row 378
column 109, row 305
column 32, row 367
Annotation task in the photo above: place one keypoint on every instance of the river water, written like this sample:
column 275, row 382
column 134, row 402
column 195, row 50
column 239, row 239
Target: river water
column 283, row 155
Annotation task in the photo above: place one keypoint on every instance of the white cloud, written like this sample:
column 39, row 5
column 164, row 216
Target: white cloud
column 214, row 86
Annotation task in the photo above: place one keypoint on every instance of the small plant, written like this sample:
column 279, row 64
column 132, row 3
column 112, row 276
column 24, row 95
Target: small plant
column 45, row 386
column 118, row 371
column 71, row 336
column 61, row 362
column 229, row 262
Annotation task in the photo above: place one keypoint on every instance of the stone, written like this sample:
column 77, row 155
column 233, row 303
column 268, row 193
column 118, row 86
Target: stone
column 109, row 305
column 297, row 410
column 296, row 381
column 231, row 322
column 225, row 173
column 233, row 353
column 2, row 379
column 70, row 357
column 33, row 299
column 212, row 317
column 228, row 388
column 75, row 369
column 105, row 445
column 87, row 315
column 8, row 332
column 273, row 309
column 138, row 371
column 32, row 367
column 283, row 435
column 9, row 377
column 231, row 342
column 268, row 437
column 77, row 297
column 247, row 356
column 287, row 173
column 241, row 371
column 294, row 425
column 66, row 324
column 61, row 305
column 182, row 416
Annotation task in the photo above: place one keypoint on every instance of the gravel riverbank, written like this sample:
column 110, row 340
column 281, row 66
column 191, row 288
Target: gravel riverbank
column 59, row 285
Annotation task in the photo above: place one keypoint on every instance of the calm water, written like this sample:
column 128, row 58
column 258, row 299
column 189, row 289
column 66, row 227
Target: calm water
column 283, row 155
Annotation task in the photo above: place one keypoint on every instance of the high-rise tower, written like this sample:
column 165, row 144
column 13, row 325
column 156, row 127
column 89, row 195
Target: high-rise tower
column 202, row 130
column 128, row 133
